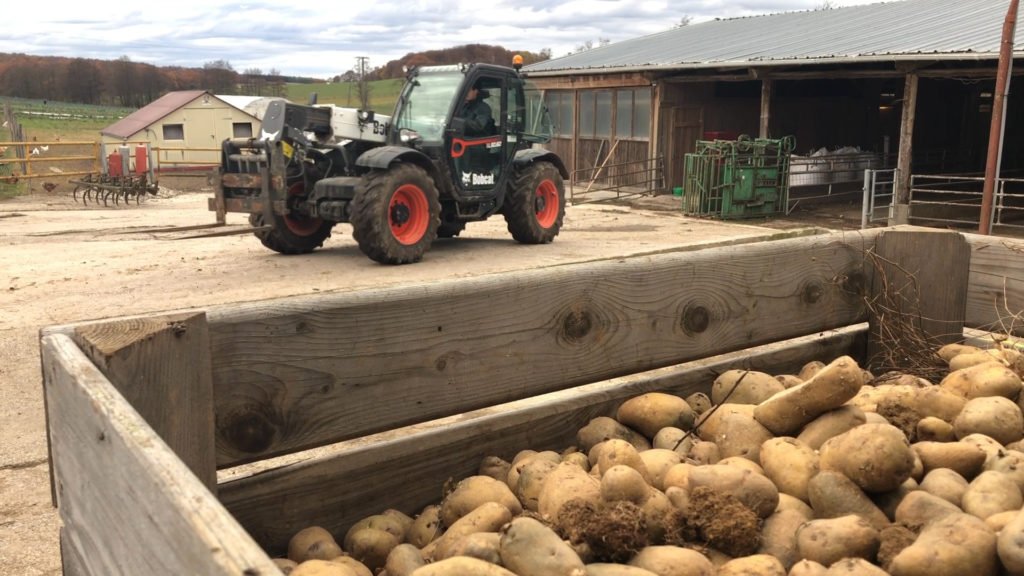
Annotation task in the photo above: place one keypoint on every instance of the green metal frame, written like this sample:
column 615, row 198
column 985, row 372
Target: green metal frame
column 743, row 178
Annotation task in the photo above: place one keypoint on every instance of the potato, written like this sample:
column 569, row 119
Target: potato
column 707, row 424
column 990, row 493
column 790, row 464
column 523, row 459
column 753, row 490
column 615, row 451
column 788, row 411
column 964, row 361
column 494, row 467
column 1011, row 544
column 833, row 495
column 531, row 548
column 678, row 476
column 426, row 527
column 920, row 508
column 488, row 517
column 658, row 461
column 955, row 545
column 357, row 567
column 371, row 546
column 788, row 380
column 741, row 462
column 830, row 424
column 855, row 567
column 986, row 444
column 473, row 491
column 739, row 434
column 756, row 565
column 1000, row 520
column 566, row 482
column 699, row 402
column 810, row 369
column 674, row 439
column 949, row 351
column 285, row 565
column 808, row 568
column 673, row 561
column 937, row 403
column 463, row 566
column 403, row 560
column 964, row 458
column 622, row 483
column 787, row 502
column 317, row 567
column 311, row 543
column 604, row 428
column 887, row 502
column 946, row 484
column 744, row 387
column 877, row 457
column 932, row 429
column 981, row 380
column 653, row 411
column 579, row 459
column 704, row 453
column 1010, row 463
column 531, row 478
column 997, row 417
column 388, row 523
column 606, row 569
column 656, row 511
column 828, row 540
column 778, row 536
column 483, row 545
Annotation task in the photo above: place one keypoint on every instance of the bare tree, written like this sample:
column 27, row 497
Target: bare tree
column 219, row 77
column 362, row 69
column 124, row 80
column 684, row 21
column 276, row 84
column 826, row 5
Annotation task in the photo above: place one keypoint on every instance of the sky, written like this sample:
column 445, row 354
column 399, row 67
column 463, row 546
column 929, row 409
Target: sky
column 323, row 39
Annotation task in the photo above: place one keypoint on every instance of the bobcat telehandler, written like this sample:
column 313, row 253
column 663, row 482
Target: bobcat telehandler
column 400, row 181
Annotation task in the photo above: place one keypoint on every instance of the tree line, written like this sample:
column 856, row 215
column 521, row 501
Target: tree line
column 123, row 82
column 484, row 53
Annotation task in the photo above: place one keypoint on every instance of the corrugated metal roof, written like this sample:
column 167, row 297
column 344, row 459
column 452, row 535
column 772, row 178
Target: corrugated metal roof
column 911, row 29
column 155, row 110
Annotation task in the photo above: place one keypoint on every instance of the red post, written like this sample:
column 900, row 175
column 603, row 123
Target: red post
column 995, row 134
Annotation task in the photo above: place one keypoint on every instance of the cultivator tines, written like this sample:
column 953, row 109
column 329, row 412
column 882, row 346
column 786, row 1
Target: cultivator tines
column 112, row 189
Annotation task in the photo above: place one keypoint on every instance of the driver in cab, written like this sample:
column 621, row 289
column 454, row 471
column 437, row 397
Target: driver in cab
column 477, row 113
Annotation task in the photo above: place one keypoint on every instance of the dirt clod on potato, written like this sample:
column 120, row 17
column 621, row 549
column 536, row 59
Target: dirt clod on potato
column 613, row 531
column 893, row 539
column 900, row 415
column 719, row 520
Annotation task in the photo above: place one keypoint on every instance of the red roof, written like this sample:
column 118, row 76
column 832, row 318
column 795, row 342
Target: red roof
column 147, row 115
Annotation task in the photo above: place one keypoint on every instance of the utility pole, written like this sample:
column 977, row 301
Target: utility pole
column 995, row 134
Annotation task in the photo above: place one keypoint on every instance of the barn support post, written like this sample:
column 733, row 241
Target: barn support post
column 901, row 200
column 995, row 136
column 766, row 103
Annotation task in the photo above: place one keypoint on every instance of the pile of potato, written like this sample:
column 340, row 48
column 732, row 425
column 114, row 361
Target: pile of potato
column 830, row 471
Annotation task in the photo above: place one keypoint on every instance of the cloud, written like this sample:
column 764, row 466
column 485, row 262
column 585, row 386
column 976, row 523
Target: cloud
column 321, row 40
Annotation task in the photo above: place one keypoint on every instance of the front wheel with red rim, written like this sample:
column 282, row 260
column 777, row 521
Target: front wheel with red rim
column 292, row 233
column 535, row 203
column 395, row 214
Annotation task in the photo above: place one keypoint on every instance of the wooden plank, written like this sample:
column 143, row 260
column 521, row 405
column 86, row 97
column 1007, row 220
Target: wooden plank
column 305, row 371
column 766, row 108
column 919, row 293
column 72, row 563
column 903, row 165
column 995, row 297
column 407, row 468
column 127, row 503
column 161, row 366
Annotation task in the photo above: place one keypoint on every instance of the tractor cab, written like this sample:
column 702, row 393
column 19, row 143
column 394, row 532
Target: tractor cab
column 471, row 120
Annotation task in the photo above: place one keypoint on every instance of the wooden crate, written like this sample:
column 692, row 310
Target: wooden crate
column 197, row 442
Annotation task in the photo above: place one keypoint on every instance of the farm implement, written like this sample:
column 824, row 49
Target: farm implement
column 106, row 188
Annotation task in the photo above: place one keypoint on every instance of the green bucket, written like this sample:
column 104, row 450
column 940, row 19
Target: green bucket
column 677, row 191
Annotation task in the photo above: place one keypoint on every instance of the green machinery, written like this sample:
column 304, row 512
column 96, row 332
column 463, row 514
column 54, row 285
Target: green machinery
column 742, row 178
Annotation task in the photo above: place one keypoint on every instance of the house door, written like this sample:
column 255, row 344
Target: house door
column 686, row 126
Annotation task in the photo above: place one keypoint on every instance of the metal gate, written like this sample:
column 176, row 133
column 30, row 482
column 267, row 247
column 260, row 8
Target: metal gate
column 879, row 195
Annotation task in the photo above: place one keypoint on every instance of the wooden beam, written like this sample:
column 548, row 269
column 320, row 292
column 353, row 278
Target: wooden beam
column 299, row 372
column 275, row 504
column 161, row 365
column 918, row 296
column 995, row 298
column 766, row 108
column 901, row 200
column 127, row 503
column 583, row 81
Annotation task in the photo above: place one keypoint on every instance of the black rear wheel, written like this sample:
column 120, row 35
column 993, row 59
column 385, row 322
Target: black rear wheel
column 535, row 206
column 395, row 214
column 292, row 233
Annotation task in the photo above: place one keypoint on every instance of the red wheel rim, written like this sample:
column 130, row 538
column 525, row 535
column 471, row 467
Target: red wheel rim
column 408, row 214
column 301, row 225
column 547, row 204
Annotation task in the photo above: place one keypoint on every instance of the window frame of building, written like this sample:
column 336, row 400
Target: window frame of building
column 169, row 133
column 247, row 133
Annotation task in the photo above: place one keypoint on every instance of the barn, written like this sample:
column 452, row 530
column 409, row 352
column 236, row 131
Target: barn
column 912, row 76
column 185, row 128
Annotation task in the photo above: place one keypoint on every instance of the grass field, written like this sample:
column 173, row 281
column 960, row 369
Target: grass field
column 383, row 94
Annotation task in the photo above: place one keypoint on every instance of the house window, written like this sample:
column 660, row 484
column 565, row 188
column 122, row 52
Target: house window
column 559, row 103
column 174, row 131
column 633, row 113
column 241, row 130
